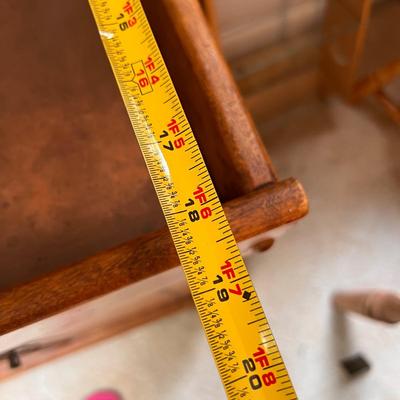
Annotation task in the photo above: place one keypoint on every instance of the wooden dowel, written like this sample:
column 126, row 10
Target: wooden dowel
column 267, row 208
column 377, row 304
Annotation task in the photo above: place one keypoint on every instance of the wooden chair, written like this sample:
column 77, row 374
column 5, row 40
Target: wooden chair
column 73, row 182
column 355, row 66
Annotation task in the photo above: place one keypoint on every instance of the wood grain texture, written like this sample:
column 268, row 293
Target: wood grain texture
column 73, row 181
column 211, row 14
column 72, row 178
column 262, row 210
column 225, row 131
column 96, row 320
column 248, row 26
column 272, row 65
column 67, row 175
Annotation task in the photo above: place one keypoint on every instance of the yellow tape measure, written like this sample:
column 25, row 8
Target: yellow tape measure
column 237, row 330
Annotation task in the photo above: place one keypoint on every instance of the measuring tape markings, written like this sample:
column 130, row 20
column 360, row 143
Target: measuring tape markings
column 244, row 349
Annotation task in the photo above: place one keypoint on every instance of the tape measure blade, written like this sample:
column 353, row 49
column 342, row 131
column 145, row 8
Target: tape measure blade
column 238, row 333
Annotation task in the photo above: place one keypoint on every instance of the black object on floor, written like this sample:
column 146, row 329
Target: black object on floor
column 355, row 364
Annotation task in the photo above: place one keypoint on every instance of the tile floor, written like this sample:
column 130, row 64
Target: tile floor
column 349, row 162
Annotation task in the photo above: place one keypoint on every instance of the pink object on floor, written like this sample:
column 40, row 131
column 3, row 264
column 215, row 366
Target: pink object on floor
column 104, row 395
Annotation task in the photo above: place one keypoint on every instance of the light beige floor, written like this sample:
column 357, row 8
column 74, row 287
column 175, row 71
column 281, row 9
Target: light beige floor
column 349, row 162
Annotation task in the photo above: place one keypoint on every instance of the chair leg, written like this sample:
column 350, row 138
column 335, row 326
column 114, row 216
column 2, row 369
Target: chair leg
column 380, row 305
